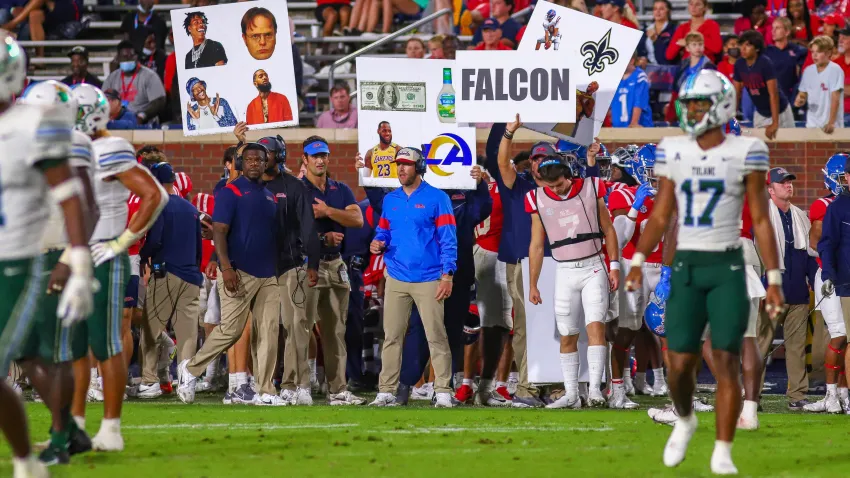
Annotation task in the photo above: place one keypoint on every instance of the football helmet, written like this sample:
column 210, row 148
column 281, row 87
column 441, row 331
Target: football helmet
column 833, row 173
column 92, row 110
column 550, row 15
column 654, row 316
column 51, row 93
column 644, row 163
column 623, row 158
column 13, row 67
column 733, row 127
column 706, row 85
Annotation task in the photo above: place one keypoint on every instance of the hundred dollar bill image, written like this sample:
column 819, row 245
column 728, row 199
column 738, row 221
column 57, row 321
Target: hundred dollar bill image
column 392, row 96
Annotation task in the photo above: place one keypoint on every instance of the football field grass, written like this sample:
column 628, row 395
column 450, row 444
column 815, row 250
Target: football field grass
column 167, row 439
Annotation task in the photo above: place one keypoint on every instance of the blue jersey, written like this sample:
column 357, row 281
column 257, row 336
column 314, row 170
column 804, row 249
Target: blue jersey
column 633, row 92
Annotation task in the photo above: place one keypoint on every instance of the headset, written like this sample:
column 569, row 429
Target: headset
column 563, row 159
column 276, row 145
column 249, row 146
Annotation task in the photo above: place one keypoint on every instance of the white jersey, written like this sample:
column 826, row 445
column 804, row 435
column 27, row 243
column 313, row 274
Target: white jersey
column 29, row 134
column 114, row 156
column 55, row 236
column 710, row 187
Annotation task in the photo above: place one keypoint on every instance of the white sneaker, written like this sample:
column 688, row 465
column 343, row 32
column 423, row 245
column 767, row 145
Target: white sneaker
column 187, row 381
column 619, row 401
column 491, row 399
column 845, row 404
column 513, row 383
column 16, row 387
column 303, row 397
column 202, row 386
column 748, row 423
column 288, row 395
column 700, row 406
column 384, row 400
column 660, row 390
column 629, row 387
column 677, row 444
column 345, row 398
column 721, row 464
column 566, row 402
column 642, row 387
column 443, row 400
column 596, row 399
column 149, row 391
column 425, row 392
column 32, row 468
column 94, row 395
column 252, row 384
column 829, row 404
column 268, row 400
column 664, row 416
column 108, row 440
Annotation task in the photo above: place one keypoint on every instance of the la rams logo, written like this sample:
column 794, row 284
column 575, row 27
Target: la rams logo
column 599, row 54
column 460, row 152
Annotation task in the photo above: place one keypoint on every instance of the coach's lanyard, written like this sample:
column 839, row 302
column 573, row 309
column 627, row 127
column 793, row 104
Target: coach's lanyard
column 150, row 15
column 125, row 87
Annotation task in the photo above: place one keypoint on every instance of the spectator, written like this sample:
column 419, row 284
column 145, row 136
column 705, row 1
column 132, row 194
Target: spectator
column 141, row 89
column 831, row 24
column 843, row 61
column 630, row 108
column 136, row 26
column 755, row 72
column 804, row 26
column 450, row 46
column 613, row 11
column 435, row 48
column 731, row 53
column 415, row 48
column 787, row 57
column 332, row 13
column 119, row 116
column 656, row 38
column 8, row 10
column 492, row 35
column 169, row 79
column 695, row 61
column 709, row 28
column 388, row 8
column 153, row 57
column 46, row 18
column 80, row 68
column 822, row 88
column 755, row 18
column 501, row 11
column 474, row 15
column 342, row 115
column 361, row 18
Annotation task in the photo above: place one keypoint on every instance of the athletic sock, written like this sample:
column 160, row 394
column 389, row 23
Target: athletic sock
column 112, row 425
column 468, row 382
column 569, row 367
column 484, row 385
column 750, row 409
column 658, row 373
column 596, row 365
column 313, row 374
column 627, row 377
column 843, row 393
column 80, row 421
column 832, row 389
column 640, row 379
column 617, row 385
column 241, row 378
column 211, row 369
column 513, row 377
column 501, row 384
column 231, row 383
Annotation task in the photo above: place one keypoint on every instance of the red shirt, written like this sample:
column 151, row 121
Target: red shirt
column 183, row 185
column 500, row 46
column 132, row 208
column 726, row 68
column 842, row 62
column 489, row 232
column 205, row 204
column 628, row 23
column 746, row 221
column 623, row 199
column 170, row 71
column 766, row 29
column 818, row 211
column 711, row 34
column 815, row 26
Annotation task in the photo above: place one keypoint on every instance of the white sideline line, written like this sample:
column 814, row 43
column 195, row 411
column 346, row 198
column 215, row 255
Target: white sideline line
column 495, row 429
column 237, row 426
column 412, row 430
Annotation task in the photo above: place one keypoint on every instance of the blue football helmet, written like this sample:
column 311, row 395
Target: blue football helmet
column 644, row 163
column 550, row 15
column 733, row 127
column 623, row 158
column 833, row 173
column 654, row 316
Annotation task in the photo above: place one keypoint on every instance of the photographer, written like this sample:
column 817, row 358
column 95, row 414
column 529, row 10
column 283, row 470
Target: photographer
column 173, row 251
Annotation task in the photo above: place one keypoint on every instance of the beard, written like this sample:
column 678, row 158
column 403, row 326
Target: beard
column 271, row 170
column 264, row 87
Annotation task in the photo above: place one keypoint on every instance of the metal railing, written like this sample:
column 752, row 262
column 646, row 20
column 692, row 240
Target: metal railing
column 383, row 41
column 525, row 11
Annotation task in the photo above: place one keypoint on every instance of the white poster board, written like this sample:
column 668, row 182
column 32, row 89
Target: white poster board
column 234, row 77
column 493, row 86
column 398, row 105
column 543, row 343
column 601, row 48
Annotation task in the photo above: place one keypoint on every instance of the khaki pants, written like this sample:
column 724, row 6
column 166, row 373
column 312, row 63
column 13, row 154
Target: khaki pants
column 169, row 299
column 293, row 308
column 514, row 271
column 399, row 298
column 261, row 298
column 786, row 119
column 795, row 323
column 329, row 302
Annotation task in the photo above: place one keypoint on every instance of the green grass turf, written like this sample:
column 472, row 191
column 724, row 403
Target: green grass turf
column 167, row 439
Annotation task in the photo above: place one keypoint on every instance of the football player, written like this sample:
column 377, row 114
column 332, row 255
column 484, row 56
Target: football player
column 551, row 35
column 380, row 160
column 703, row 179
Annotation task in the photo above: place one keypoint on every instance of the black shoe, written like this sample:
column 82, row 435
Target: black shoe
column 402, row 394
column 798, row 405
column 358, row 386
column 79, row 442
column 54, row 455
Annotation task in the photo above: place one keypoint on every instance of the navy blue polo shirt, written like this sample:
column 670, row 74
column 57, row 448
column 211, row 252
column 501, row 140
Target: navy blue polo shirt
column 336, row 195
column 755, row 80
column 222, row 183
column 796, row 261
column 785, row 64
column 358, row 239
column 250, row 211
column 175, row 240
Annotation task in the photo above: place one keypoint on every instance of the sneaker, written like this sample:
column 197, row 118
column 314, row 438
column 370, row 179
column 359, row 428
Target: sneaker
column 315, row 387
column 268, row 400
column 187, row 381
column 798, row 405
column 54, row 455
column 345, row 398
column 701, row 406
column 583, row 395
column 228, row 398
column 243, row 395
column 464, row 394
column 642, row 388
column 202, row 386
column 33, row 468
column 748, row 423
column 513, row 383
column 425, row 392
column 384, row 400
column 829, row 404
column 664, row 416
column 443, row 400
column 526, row 402
column 94, row 395
column 845, row 404
column 505, row 392
column 619, row 401
column 566, row 402
column 303, row 397
column 629, row 386
column 79, row 441
column 167, row 388
column 659, row 390
column 288, row 396
column 677, row 444
column 595, row 399
column 491, row 398
column 149, row 391
column 108, row 439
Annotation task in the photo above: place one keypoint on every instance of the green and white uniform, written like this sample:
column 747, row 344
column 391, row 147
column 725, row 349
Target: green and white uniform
column 708, row 283
column 31, row 137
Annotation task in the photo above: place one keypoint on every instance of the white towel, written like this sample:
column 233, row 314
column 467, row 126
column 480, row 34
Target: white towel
column 800, row 223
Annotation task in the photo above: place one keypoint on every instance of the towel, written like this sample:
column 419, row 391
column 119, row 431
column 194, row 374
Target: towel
column 800, row 223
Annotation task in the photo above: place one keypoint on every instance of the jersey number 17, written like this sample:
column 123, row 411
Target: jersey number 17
column 704, row 199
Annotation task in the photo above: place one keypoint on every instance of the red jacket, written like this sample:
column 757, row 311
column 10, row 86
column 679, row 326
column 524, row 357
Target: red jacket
column 711, row 33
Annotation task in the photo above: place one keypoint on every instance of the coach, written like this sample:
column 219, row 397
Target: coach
column 244, row 232
column 418, row 232
column 834, row 250
column 173, row 251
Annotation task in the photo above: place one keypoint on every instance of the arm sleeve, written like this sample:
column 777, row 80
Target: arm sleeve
column 672, row 48
column 829, row 241
column 382, row 231
column 225, row 206
column 642, row 92
column 309, row 236
column 592, row 171
column 446, row 233
column 625, row 229
column 713, row 42
column 491, row 151
column 531, row 202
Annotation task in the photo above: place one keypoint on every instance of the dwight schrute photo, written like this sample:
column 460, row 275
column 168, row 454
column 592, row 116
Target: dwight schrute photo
column 204, row 52
column 259, row 32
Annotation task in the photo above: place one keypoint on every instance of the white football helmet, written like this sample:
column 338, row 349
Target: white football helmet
column 93, row 109
column 51, row 93
column 13, row 67
column 707, row 85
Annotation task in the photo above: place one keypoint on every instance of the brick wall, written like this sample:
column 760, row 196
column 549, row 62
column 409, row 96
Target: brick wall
column 804, row 153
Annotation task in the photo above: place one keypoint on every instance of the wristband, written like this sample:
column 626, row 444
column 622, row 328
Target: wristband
column 774, row 277
column 633, row 213
column 79, row 260
column 615, row 265
column 638, row 259
column 508, row 135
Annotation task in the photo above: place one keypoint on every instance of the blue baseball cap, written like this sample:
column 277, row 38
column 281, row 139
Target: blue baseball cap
column 777, row 175
column 490, row 24
column 616, row 3
column 163, row 172
column 317, row 147
column 542, row 148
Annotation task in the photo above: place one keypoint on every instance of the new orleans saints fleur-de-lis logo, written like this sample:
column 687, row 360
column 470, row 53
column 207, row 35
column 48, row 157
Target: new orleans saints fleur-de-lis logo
column 599, row 54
